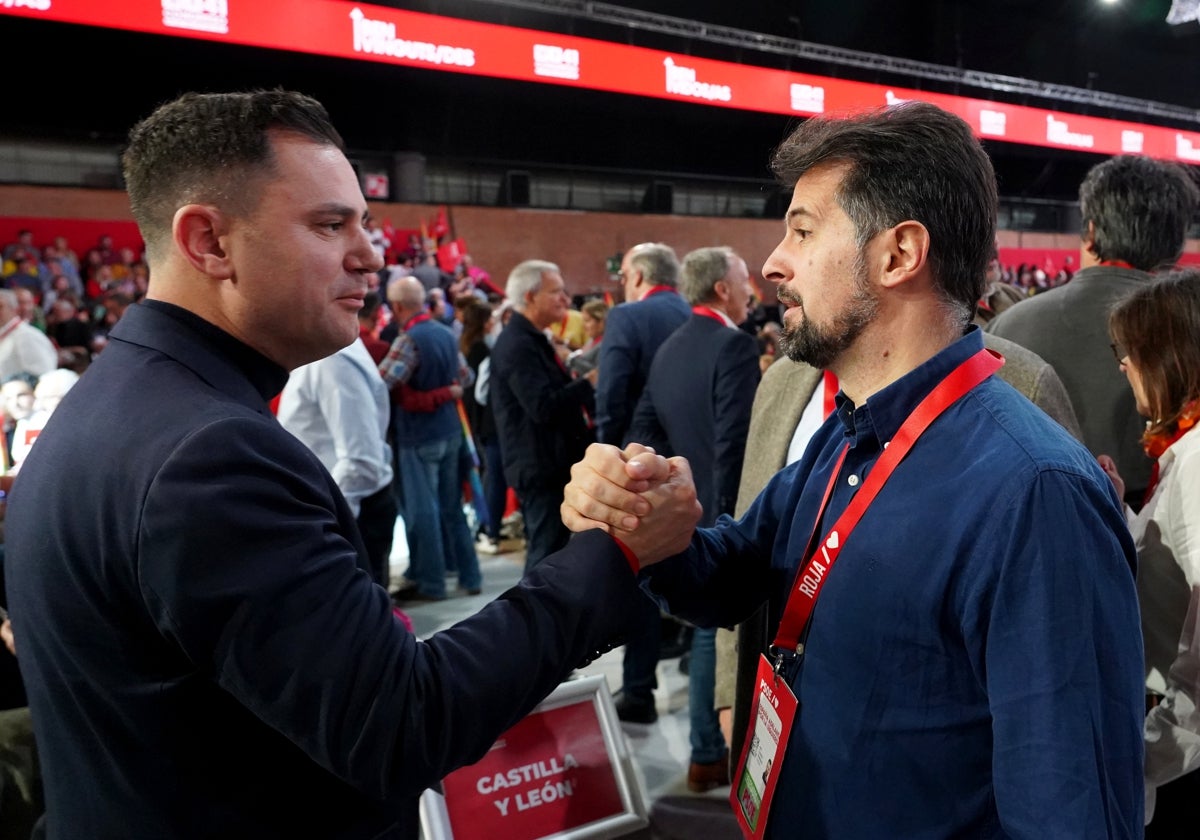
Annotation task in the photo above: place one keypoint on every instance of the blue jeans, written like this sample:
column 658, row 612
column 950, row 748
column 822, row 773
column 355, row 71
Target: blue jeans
column 438, row 534
column 707, row 742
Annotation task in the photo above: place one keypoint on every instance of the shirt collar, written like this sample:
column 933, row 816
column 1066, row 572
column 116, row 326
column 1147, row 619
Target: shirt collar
column 886, row 410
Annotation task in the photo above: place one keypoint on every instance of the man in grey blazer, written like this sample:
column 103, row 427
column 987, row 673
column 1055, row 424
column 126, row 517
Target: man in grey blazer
column 1136, row 212
column 785, row 391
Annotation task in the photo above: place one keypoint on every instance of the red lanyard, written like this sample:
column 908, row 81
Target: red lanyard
column 709, row 313
column 416, row 319
column 654, row 290
column 812, row 575
column 831, row 388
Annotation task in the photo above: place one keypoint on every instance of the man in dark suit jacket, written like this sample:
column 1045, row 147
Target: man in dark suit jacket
column 697, row 404
column 652, row 310
column 542, row 414
column 635, row 329
column 204, row 654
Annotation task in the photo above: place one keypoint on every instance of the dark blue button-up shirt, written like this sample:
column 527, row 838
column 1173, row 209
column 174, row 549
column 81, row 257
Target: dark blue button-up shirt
column 973, row 666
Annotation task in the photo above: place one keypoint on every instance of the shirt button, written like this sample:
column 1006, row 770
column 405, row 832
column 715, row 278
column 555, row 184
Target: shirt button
column 852, row 481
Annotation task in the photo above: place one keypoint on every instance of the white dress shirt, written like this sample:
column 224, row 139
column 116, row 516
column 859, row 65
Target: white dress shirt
column 1167, row 533
column 338, row 407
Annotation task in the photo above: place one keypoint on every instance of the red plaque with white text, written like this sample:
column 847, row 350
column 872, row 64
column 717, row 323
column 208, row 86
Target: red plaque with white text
column 562, row 771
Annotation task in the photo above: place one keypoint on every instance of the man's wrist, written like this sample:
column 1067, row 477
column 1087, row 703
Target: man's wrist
column 631, row 558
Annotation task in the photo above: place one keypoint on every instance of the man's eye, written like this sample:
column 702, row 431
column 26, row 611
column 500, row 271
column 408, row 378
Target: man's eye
column 800, row 233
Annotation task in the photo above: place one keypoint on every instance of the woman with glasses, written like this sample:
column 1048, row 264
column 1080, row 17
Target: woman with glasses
column 1156, row 339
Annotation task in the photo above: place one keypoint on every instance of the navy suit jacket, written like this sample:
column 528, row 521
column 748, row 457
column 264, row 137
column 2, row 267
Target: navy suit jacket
column 203, row 654
column 633, row 333
column 697, row 402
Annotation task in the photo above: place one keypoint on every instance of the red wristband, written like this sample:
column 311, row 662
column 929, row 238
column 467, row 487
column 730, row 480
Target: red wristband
column 630, row 557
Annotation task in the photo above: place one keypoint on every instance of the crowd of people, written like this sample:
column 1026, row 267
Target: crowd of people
column 1017, row 606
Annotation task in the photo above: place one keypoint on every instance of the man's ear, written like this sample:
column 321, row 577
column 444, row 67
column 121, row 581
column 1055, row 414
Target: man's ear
column 198, row 231
column 1089, row 238
column 905, row 252
column 721, row 291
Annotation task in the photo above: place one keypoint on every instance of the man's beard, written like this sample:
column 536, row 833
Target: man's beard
column 820, row 346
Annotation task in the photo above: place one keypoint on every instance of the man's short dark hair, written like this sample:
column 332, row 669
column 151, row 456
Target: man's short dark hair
column 1138, row 209
column 911, row 161
column 370, row 307
column 211, row 148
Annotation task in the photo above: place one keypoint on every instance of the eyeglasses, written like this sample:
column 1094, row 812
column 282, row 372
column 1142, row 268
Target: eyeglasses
column 1119, row 351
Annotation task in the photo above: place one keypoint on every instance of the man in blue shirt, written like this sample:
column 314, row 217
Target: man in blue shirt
column 973, row 664
column 430, row 450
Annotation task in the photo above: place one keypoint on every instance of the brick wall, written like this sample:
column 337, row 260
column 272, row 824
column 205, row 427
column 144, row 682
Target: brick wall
column 498, row 238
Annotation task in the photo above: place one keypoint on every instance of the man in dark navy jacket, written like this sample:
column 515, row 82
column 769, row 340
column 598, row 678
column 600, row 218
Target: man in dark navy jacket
column 633, row 332
column 203, row 654
column 697, row 404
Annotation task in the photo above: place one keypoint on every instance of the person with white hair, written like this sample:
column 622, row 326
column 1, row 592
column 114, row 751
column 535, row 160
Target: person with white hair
column 542, row 413
column 51, row 387
column 23, row 347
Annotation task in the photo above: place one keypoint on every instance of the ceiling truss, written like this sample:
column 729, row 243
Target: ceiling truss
column 634, row 19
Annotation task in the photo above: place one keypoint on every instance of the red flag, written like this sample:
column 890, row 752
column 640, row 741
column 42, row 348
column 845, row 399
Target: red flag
column 441, row 224
column 449, row 256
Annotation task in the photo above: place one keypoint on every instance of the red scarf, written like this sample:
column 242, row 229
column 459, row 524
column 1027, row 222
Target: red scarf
column 1158, row 443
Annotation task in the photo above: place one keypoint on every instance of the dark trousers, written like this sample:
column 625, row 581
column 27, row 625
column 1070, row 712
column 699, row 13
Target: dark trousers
column 1176, row 809
column 544, row 530
column 642, row 642
column 21, row 799
column 495, row 488
column 377, row 525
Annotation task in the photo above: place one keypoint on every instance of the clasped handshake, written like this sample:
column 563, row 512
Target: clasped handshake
column 646, row 501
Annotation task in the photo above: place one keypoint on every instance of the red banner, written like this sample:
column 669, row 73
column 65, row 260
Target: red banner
column 81, row 234
column 1051, row 260
column 550, row 773
column 392, row 36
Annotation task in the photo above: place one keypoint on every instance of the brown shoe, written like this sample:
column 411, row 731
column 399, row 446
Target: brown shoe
column 705, row 777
